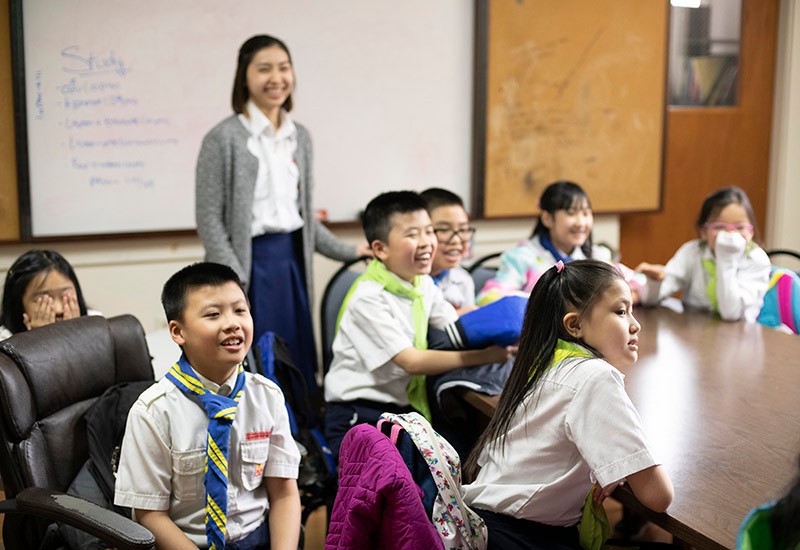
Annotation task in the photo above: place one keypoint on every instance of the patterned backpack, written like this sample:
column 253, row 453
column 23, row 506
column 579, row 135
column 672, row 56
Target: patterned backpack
column 459, row 527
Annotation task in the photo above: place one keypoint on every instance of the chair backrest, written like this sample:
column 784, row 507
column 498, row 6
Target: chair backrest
column 332, row 299
column 49, row 377
column 483, row 269
column 781, row 254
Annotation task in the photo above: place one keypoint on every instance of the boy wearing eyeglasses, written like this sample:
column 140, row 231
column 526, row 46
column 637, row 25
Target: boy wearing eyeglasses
column 724, row 271
column 454, row 235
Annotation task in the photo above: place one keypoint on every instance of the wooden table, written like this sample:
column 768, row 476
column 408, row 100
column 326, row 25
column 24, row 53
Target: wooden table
column 721, row 405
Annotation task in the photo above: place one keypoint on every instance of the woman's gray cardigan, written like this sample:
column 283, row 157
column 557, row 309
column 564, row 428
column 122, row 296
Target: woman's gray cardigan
column 225, row 185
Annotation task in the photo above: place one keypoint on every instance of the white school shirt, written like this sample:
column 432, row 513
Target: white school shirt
column 376, row 326
column 164, row 453
column 275, row 206
column 580, row 428
column 458, row 287
column 740, row 285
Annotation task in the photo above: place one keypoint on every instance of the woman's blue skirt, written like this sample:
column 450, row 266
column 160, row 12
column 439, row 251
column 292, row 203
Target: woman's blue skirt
column 279, row 299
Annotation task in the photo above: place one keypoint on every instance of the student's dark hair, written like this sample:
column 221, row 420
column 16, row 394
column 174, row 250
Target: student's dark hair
column 177, row 287
column 562, row 195
column 785, row 518
column 377, row 216
column 19, row 276
column 247, row 51
column 719, row 199
column 436, row 197
column 576, row 288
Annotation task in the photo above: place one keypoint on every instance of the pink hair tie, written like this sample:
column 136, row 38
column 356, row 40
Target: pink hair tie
column 559, row 266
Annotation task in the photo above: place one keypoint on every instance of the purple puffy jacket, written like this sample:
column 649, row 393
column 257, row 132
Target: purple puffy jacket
column 378, row 505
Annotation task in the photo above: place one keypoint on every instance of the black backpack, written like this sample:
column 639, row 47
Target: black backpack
column 317, row 477
column 105, row 428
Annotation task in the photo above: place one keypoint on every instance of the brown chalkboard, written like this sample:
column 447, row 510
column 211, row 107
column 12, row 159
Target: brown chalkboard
column 573, row 89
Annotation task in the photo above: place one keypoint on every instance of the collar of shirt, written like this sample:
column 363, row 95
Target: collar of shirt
column 258, row 124
column 213, row 387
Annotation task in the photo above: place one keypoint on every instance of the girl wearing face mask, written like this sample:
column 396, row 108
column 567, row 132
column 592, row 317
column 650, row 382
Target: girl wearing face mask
column 724, row 271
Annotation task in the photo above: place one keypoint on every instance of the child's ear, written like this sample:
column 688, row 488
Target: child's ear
column 547, row 219
column 572, row 324
column 380, row 249
column 176, row 331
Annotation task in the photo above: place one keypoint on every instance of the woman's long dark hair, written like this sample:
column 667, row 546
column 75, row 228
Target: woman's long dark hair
column 576, row 288
column 19, row 276
column 562, row 195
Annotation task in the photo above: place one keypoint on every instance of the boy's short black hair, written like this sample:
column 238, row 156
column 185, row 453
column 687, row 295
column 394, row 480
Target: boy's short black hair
column 377, row 216
column 436, row 197
column 173, row 296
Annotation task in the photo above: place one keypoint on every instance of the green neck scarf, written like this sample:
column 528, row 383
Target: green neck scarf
column 377, row 272
column 593, row 529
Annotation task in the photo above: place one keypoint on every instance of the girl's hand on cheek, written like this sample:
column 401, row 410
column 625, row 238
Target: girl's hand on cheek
column 43, row 315
column 71, row 308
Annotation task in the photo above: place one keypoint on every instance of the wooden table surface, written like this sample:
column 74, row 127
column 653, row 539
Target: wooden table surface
column 720, row 403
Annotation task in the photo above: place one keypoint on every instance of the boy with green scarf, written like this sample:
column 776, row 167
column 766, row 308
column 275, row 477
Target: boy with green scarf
column 380, row 354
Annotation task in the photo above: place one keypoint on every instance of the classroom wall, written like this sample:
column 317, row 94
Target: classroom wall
column 783, row 223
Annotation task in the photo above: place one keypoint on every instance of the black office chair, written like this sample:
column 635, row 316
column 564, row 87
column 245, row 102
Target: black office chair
column 332, row 298
column 49, row 377
column 778, row 252
column 483, row 269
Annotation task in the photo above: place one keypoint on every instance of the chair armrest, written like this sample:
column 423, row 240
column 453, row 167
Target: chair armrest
column 118, row 531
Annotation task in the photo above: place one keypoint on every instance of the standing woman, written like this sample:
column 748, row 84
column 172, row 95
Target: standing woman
column 253, row 200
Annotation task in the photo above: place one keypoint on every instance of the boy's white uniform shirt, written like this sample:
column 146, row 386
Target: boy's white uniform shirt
column 578, row 427
column 458, row 287
column 376, row 326
column 164, row 452
column 741, row 281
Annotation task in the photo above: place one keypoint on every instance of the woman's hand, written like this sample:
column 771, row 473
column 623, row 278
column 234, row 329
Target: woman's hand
column 363, row 249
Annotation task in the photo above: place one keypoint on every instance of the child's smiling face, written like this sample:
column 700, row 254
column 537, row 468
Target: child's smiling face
column 410, row 246
column 451, row 225
column 215, row 329
column 569, row 228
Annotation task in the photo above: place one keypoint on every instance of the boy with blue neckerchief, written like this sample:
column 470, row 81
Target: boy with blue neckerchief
column 208, row 459
column 380, row 353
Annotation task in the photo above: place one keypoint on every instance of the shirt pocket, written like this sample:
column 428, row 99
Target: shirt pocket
column 254, row 456
column 188, row 474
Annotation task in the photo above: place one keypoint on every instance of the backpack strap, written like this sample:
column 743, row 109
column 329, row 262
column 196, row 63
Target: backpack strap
column 445, row 471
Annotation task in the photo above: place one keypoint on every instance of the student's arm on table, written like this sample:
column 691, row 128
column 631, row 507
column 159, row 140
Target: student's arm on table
column 168, row 535
column 426, row 361
column 652, row 487
column 284, row 513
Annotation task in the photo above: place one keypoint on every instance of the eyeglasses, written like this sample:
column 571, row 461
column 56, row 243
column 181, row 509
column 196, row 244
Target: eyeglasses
column 445, row 234
column 738, row 227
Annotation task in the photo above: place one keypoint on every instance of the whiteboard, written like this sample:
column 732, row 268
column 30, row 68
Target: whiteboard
column 119, row 95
